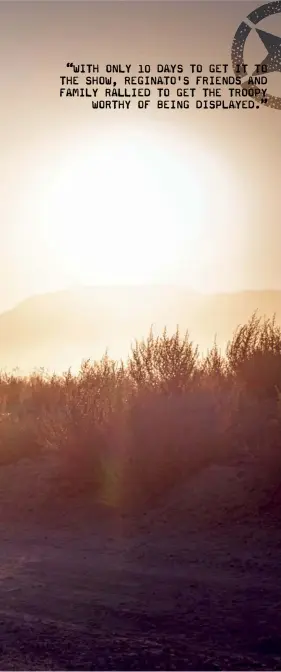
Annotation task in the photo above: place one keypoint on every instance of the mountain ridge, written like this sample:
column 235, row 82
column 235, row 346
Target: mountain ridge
column 93, row 319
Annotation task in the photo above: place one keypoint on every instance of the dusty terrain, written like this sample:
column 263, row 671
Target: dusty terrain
column 90, row 589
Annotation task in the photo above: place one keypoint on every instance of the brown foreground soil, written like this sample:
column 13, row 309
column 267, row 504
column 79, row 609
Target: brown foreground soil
column 192, row 585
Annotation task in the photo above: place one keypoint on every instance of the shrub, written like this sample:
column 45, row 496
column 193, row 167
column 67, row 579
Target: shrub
column 129, row 433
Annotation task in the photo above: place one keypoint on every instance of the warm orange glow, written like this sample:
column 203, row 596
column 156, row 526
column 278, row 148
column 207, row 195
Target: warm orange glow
column 136, row 208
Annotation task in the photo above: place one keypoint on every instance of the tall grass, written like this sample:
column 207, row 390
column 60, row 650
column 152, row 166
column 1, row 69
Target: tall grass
column 129, row 432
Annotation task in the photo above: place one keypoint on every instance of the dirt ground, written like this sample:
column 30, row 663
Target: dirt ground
column 99, row 591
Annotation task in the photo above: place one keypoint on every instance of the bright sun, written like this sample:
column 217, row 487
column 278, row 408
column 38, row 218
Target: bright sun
column 134, row 208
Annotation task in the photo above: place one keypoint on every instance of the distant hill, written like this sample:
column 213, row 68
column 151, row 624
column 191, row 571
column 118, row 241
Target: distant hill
column 57, row 330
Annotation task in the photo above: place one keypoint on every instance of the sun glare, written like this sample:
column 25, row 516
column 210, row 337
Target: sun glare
column 133, row 209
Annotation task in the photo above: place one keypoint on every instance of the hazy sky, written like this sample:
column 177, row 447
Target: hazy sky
column 47, row 243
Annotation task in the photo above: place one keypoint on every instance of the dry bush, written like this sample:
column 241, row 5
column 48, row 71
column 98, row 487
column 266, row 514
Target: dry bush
column 180, row 414
column 18, row 437
column 254, row 357
column 79, row 425
column 167, row 363
column 254, row 361
column 131, row 432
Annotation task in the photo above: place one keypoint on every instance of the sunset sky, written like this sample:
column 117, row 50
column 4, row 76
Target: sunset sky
column 188, row 197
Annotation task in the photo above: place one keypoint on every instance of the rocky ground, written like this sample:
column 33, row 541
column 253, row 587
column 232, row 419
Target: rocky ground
column 193, row 585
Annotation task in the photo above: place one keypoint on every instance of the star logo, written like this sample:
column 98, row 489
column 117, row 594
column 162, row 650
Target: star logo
column 272, row 43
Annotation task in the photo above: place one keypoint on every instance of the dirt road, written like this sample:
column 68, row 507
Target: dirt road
column 104, row 596
column 91, row 590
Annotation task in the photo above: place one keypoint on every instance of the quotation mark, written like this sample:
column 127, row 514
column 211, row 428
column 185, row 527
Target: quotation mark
column 69, row 65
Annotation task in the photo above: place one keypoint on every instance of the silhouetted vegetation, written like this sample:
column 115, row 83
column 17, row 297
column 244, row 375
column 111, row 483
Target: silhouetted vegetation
column 131, row 432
